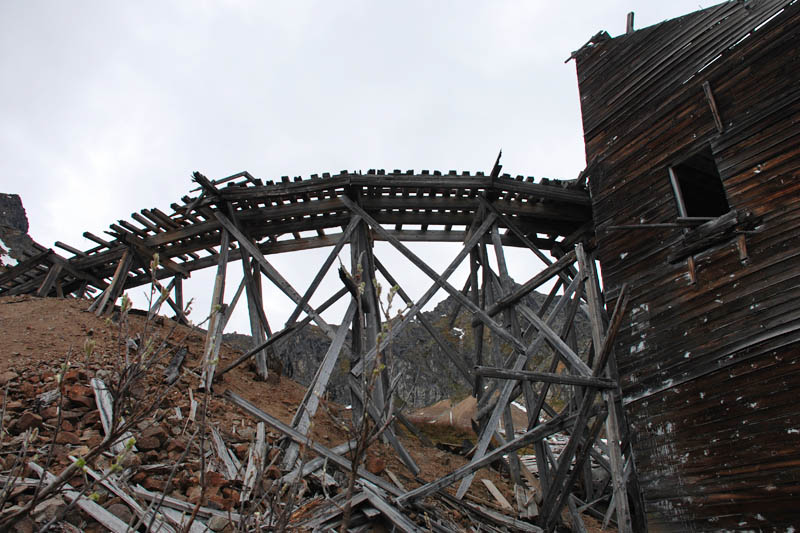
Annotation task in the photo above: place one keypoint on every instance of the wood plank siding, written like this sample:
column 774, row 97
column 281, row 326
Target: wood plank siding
column 709, row 358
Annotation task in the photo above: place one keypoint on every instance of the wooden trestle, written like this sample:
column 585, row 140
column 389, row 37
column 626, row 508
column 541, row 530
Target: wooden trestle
column 241, row 218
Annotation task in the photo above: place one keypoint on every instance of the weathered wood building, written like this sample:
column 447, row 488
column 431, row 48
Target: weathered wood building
column 693, row 150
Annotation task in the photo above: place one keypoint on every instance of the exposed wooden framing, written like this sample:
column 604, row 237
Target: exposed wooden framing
column 530, row 285
column 439, row 281
column 446, row 347
column 299, row 438
column 163, row 295
column 505, row 394
column 255, row 311
column 353, row 209
column 544, row 430
column 270, row 271
column 49, row 281
column 343, row 239
column 594, row 298
column 560, row 379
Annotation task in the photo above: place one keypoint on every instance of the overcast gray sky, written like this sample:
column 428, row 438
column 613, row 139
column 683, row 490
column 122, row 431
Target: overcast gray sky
column 107, row 107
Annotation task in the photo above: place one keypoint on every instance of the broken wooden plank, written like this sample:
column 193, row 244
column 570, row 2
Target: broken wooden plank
column 298, row 437
column 255, row 462
column 231, row 464
column 549, row 377
column 216, row 323
column 182, row 505
column 105, row 518
column 395, row 517
column 146, row 516
column 498, row 496
column 105, row 406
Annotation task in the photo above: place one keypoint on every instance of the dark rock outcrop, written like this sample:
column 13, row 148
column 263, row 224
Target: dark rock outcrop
column 428, row 375
column 14, row 240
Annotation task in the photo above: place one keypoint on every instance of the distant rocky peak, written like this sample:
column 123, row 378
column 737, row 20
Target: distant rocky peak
column 12, row 214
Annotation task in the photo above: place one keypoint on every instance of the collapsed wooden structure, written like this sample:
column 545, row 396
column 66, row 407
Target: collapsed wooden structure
column 239, row 218
column 692, row 143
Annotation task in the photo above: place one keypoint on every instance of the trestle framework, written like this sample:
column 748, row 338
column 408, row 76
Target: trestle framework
column 240, row 218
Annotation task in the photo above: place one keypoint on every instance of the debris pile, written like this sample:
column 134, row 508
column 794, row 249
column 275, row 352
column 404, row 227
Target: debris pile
column 58, row 409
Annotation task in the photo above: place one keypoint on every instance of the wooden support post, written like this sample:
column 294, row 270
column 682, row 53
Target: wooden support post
column 594, row 298
column 216, row 322
column 50, row 280
column 477, row 297
column 179, row 299
column 561, row 480
column 115, row 288
column 440, row 281
column 254, row 305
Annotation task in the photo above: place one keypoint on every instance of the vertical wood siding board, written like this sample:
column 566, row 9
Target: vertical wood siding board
column 723, row 67
column 665, row 75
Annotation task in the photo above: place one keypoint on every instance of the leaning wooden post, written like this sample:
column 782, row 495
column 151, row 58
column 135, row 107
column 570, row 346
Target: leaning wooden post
column 114, row 289
column 586, row 265
column 254, row 301
column 216, row 317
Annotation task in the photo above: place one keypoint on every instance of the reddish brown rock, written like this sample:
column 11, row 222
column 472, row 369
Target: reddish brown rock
column 273, row 472
column 176, row 445
column 68, row 437
column 194, row 493
column 5, row 377
column 15, row 405
column 78, row 391
column 91, row 418
column 27, row 420
column 85, row 402
column 215, row 479
column 148, row 443
column 152, row 483
column 121, row 511
column 155, row 432
column 375, row 464
column 49, row 412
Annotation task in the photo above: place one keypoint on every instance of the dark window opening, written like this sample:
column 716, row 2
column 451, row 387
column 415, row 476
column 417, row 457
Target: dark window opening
column 698, row 187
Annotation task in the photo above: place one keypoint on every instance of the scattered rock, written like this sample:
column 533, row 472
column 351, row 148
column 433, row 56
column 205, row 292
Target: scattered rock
column 48, row 509
column 27, row 420
column 68, row 437
column 152, row 483
column 375, row 464
column 121, row 511
column 7, row 376
column 26, row 525
column 194, row 493
column 218, row 523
